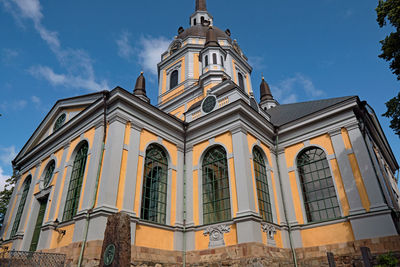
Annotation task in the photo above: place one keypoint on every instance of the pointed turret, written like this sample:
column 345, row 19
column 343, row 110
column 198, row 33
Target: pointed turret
column 211, row 38
column 267, row 101
column 265, row 91
column 140, row 88
column 201, row 5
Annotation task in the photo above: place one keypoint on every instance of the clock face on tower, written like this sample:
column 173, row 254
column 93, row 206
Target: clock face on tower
column 209, row 104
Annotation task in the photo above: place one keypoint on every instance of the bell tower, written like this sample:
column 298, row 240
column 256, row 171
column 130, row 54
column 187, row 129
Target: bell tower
column 201, row 15
column 199, row 59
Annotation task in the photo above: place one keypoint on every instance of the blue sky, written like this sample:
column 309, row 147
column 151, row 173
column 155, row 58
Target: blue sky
column 306, row 50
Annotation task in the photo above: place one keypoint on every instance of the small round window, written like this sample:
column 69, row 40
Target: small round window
column 209, row 104
column 59, row 122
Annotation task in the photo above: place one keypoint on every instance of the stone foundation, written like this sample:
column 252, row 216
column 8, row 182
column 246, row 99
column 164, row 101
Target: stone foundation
column 248, row 254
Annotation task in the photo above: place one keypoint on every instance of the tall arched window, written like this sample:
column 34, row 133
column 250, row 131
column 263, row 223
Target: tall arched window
column 317, row 185
column 222, row 61
column 49, row 173
column 75, row 183
column 206, row 61
column 241, row 81
column 173, row 79
column 214, row 58
column 155, row 180
column 21, row 205
column 260, row 173
column 216, row 196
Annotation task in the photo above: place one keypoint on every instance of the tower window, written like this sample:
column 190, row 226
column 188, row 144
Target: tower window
column 214, row 58
column 194, row 22
column 202, row 20
column 216, row 196
column 241, row 81
column 154, row 196
column 264, row 203
column 222, row 61
column 173, row 79
column 75, row 183
column 206, row 60
column 21, row 206
column 319, row 193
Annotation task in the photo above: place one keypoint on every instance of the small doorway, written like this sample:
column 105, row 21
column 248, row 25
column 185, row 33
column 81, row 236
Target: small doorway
column 38, row 225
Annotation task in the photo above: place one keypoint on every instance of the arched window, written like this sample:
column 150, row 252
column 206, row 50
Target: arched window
column 59, row 122
column 206, row 61
column 21, row 205
column 216, row 196
column 154, row 193
column 222, row 61
column 317, row 185
column 214, row 58
column 173, row 79
column 241, row 81
column 260, row 173
column 49, row 173
column 75, row 183
column 194, row 22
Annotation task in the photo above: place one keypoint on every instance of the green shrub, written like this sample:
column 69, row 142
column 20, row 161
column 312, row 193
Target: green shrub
column 387, row 260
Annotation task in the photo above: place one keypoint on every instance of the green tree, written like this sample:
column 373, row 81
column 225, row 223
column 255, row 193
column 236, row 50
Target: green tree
column 5, row 197
column 389, row 11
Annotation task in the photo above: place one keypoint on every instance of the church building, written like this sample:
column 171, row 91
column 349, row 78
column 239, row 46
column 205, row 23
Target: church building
column 208, row 174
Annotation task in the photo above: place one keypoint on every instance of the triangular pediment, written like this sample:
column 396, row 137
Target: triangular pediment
column 61, row 113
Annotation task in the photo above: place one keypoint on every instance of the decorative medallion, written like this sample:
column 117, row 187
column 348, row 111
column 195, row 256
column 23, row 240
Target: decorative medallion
column 271, row 232
column 209, row 104
column 216, row 234
column 109, row 254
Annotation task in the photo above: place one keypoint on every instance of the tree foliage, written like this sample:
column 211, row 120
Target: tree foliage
column 5, row 197
column 389, row 11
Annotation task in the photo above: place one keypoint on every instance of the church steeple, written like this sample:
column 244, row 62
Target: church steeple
column 201, row 17
column 201, row 5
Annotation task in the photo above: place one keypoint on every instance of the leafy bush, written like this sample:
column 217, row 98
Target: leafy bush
column 387, row 260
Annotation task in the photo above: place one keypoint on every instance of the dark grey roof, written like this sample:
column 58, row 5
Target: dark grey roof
column 283, row 114
column 201, row 31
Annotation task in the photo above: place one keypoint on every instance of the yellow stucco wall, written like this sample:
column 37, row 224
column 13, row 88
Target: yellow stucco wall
column 122, row 172
column 59, row 240
column 277, row 239
column 152, row 237
column 226, row 140
column 325, row 142
column 329, row 234
column 356, row 171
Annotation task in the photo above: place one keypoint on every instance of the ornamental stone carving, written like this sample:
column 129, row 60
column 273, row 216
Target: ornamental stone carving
column 216, row 235
column 271, row 231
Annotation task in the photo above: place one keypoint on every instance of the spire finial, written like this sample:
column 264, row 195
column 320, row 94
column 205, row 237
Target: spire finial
column 201, row 5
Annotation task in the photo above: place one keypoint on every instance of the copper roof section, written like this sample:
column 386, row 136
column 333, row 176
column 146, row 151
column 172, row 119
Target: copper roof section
column 140, row 86
column 201, row 31
column 265, row 91
column 201, row 5
column 211, row 38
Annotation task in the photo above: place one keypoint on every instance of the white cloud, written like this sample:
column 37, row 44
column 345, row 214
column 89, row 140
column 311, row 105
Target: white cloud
column 151, row 49
column 289, row 90
column 3, row 178
column 7, row 55
column 7, row 154
column 257, row 62
column 77, row 63
column 36, row 99
column 125, row 50
column 70, row 81
column 16, row 105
